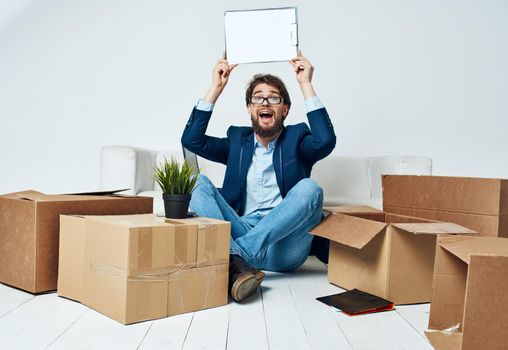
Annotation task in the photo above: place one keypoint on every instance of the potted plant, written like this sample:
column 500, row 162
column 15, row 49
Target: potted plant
column 176, row 183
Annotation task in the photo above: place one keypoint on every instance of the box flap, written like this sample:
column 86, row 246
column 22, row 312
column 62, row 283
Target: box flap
column 465, row 246
column 352, row 209
column 98, row 193
column 433, row 228
column 392, row 218
column 444, row 341
column 348, row 230
column 198, row 220
column 485, row 225
column 360, row 211
column 131, row 220
column 31, row 195
column 36, row 196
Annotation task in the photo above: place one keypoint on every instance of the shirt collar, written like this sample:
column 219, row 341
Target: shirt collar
column 271, row 145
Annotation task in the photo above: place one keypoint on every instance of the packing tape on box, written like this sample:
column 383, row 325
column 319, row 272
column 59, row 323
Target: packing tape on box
column 155, row 275
column 149, row 255
column 209, row 250
column 155, row 255
column 210, row 281
column 185, row 250
column 144, row 257
column 451, row 330
column 150, row 263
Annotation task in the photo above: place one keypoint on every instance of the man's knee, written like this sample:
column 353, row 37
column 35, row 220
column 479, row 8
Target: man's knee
column 203, row 191
column 309, row 190
column 203, row 195
column 203, row 183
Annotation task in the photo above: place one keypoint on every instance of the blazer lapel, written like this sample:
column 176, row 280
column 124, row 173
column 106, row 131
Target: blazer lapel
column 278, row 161
column 246, row 156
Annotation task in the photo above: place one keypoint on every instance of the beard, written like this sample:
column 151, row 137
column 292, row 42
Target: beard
column 267, row 132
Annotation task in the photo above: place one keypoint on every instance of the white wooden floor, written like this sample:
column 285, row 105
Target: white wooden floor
column 283, row 315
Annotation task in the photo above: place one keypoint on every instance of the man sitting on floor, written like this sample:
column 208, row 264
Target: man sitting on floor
column 267, row 194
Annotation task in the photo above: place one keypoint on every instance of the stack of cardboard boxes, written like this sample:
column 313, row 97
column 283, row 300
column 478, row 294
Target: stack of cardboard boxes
column 391, row 256
column 469, row 308
column 424, row 246
column 407, row 254
column 29, row 232
column 111, row 253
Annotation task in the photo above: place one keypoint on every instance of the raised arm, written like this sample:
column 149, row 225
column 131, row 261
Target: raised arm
column 321, row 140
column 194, row 136
column 304, row 71
column 220, row 77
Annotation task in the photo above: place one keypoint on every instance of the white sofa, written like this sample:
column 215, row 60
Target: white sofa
column 345, row 180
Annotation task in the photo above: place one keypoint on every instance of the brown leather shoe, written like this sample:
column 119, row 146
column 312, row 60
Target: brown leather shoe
column 243, row 279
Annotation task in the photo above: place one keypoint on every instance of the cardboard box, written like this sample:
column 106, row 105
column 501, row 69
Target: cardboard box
column 479, row 204
column 391, row 257
column 29, row 227
column 469, row 308
column 140, row 267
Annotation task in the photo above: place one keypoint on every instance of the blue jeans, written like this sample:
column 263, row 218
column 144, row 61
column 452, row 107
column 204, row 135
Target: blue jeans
column 278, row 241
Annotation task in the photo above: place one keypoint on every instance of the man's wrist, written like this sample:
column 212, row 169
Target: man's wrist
column 313, row 103
column 307, row 90
column 204, row 105
column 212, row 94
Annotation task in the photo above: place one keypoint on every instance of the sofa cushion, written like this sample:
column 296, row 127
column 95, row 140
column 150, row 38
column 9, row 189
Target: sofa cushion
column 214, row 171
column 342, row 177
column 158, row 203
column 342, row 200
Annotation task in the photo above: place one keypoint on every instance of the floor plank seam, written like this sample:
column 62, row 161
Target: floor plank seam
column 144, row 336
column 67, row 328
column 299, row 315
column 229, row 319
column 333, row 311
column 338, row 325
column 411, row 325
column 188, row 329
column 17, row 306
column 107, row 329
column 264, row 317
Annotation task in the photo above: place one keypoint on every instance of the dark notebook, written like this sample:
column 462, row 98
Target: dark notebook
column 355, row 302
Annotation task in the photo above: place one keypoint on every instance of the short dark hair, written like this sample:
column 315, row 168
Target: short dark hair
column 271, row 80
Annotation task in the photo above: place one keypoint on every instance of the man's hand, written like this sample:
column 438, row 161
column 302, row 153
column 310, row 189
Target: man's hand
column 304, row 70
column 220, row 76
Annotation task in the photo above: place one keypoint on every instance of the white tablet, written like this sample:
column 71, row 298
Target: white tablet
column 263, row 35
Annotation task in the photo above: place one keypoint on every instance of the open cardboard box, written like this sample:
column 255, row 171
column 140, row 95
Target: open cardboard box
column 29, row 227
column 469, row 308
column 140, row 267
column 391, row 256
column 476, row 203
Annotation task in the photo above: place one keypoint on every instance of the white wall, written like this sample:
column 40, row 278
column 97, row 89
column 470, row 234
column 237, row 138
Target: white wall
column 398, row 77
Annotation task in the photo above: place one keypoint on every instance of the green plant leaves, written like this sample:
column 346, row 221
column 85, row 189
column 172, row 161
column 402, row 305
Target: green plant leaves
column 175, row 179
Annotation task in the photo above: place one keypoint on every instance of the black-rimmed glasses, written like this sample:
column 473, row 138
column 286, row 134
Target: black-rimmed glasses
column 259, row 100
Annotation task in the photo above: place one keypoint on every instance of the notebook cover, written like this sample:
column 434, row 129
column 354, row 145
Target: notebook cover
column 355, row 302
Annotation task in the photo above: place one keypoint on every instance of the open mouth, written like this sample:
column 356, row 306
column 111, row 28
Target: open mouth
column 265, row 114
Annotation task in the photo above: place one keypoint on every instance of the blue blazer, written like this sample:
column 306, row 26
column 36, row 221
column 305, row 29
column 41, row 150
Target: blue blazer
column 296, row 151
